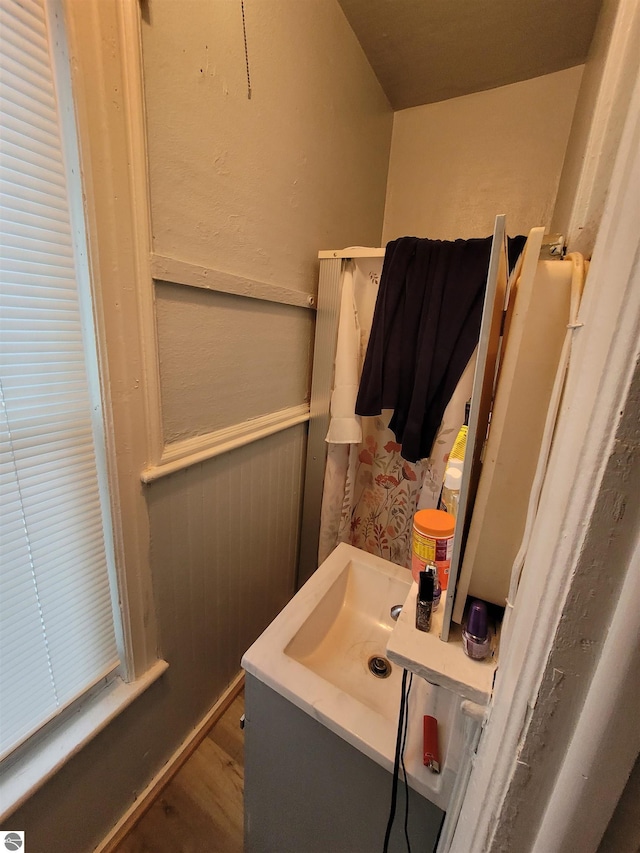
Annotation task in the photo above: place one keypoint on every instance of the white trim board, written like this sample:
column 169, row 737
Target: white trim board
column 191, row 451
column 193, row 275
column 352, row 252
column 107, row 80
column 145, row 800
column 35, row 766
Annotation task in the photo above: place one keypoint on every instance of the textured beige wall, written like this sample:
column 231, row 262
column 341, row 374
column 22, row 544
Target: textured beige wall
column 456, row 164
column 623, row 833
column 225, row 359
column 610, row 73
column 256, row 187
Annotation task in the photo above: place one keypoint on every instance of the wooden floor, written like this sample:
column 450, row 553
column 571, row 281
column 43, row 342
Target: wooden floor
column 200, row 810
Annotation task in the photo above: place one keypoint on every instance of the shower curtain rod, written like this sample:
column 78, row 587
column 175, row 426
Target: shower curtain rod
column 553, row 247
column 352, row 252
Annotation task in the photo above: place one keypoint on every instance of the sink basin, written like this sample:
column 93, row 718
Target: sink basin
column 316, row 654
column 349, row 626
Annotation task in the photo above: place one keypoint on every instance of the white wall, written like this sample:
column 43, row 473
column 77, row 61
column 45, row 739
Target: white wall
column 457, row 163
column 607, row 84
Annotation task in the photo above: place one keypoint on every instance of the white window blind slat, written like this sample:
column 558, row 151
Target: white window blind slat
column 45, row 343
column 47, row 517
column 30, row 241
column 39, row 117
column 13, row 312
column 21, row 49
column 42, row 520
column 29, row 73
column 15, row 159
column 19, row 122
column 35, row 392
column 14, row 270
column 41, row 328
column 51, row 562
column 16, row 52
column 20, row 91
column 28, row 408
column 16, row 192
column 30, row 643
column 37, row 469
column 57, row 634
column 74, row 587
column 46, row 225
column 16, row 22
column 33, row 205
column 43, row 373
column 31, row 13
column 61, row 293
column 24, row 147
column 61, row 434
column 34, row 8
column 74, row 581
column 75, row 614
column 16, row 37
column 29, row 449
column 39, row 222
column 18, row 277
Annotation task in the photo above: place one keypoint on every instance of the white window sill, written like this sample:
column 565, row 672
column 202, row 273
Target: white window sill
column 29, row 771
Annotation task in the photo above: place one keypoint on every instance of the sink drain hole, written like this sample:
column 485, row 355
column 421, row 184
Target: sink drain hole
column 379, row 666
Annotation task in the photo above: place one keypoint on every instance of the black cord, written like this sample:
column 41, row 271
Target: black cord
column 246, row 50
column 406, row 784
column 396, row 766
column 401, row 740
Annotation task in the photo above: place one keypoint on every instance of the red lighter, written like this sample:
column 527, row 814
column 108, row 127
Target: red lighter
column 431, row 755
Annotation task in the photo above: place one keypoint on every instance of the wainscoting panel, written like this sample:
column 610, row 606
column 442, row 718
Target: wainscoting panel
column 224, row 551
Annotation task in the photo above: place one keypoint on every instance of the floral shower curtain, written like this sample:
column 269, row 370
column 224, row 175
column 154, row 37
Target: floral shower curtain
column 370, row 492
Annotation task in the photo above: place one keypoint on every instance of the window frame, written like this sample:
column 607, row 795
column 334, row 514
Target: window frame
column 97, row 64
column 103, row 43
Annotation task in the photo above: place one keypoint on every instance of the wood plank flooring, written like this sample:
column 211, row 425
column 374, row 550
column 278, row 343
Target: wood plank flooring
column 201, row 809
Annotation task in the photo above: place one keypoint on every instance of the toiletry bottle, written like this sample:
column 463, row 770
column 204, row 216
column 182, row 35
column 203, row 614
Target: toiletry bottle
column 460, row 444
column 476, row 639
column 424, row 601
column 450, row 496
column 432, row 543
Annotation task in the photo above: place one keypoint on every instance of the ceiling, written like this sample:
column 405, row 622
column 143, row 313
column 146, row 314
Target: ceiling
column 431, row 50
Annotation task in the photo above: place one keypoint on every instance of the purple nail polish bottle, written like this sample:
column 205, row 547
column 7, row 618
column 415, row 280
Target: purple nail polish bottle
column 476, row 639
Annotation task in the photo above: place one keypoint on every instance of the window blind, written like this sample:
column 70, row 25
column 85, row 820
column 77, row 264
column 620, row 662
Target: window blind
column 56, row 619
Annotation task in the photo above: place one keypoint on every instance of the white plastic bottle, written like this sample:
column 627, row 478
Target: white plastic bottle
column 451, row 491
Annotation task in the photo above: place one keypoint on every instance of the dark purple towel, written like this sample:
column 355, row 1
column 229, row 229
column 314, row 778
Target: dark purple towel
column 425, row 327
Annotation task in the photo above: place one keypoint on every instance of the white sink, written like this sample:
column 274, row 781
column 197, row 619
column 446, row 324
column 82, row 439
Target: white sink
column 316, row 654
column 351, row 625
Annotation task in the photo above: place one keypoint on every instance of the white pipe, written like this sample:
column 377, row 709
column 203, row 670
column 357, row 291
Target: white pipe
column 606, row 739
